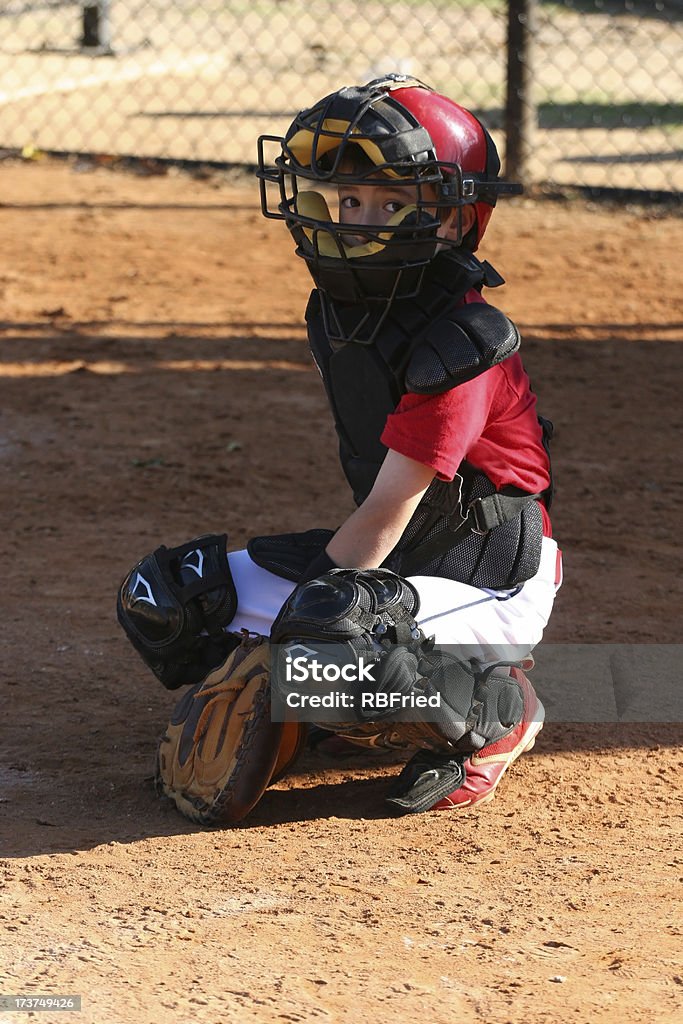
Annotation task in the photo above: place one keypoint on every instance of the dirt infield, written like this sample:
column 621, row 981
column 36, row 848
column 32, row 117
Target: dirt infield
column 155, row 384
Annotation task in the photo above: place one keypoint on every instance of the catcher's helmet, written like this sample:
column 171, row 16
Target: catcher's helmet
column 392, row 130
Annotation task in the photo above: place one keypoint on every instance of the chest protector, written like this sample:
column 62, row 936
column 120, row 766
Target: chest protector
column 462, row 530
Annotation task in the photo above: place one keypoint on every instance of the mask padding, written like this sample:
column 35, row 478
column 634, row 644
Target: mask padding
column 313, row 205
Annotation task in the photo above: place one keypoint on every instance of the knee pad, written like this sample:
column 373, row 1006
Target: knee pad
column 347, row 617
column 424, row 693
column 174, row 606
column 354, row 606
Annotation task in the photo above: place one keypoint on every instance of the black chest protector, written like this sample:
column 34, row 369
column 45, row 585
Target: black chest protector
column 463, row 530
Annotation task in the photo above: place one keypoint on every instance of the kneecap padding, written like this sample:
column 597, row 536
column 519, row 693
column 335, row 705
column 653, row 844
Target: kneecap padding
column 174, row 606
column 344, row 617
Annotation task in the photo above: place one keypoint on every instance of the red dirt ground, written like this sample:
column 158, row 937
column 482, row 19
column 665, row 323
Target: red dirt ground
column 156, row 385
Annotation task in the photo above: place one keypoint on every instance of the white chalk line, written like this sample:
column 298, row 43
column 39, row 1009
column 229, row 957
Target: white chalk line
column 109, row 76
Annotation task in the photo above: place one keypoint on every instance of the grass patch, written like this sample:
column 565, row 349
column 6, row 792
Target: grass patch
column 589, row 114
column 664, row 10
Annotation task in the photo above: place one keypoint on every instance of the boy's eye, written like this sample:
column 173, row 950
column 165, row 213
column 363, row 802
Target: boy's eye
column 348, row 202
column 393, row 206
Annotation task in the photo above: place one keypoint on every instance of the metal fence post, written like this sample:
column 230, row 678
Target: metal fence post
column 520, row 109
column 96, row 26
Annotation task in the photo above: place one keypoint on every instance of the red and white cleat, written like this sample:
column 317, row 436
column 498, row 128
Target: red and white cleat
column 443, row 782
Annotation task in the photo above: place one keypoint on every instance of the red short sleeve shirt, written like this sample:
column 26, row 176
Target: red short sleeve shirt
column 491, row 421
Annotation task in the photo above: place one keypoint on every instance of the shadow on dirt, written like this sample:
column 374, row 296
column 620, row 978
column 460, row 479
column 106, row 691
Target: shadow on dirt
column 47, row 813
column 100, row 469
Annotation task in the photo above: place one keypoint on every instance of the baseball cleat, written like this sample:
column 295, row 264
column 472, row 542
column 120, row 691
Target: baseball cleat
column 423, row 783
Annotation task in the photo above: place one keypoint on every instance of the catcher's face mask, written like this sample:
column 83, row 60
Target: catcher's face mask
column 391, row 132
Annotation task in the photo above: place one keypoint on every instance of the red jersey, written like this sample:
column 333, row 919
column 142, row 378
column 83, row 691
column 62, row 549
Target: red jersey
column 490, row 421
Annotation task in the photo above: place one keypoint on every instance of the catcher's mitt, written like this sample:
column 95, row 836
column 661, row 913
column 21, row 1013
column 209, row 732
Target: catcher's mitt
column 221, row 750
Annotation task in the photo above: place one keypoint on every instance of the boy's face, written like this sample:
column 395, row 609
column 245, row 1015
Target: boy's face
column 377, row 204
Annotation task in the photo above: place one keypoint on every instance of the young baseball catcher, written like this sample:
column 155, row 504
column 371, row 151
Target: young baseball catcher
column 444, row 576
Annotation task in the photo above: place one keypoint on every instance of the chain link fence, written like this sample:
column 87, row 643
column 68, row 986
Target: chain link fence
column 198, row 81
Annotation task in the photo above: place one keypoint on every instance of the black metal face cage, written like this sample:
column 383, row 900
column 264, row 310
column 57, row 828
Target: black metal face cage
column 357, row 290
column 323, row 243
column 448, row 188
column 451, row 187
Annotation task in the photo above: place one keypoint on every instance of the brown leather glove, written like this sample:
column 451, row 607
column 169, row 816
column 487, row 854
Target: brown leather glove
column 221, row 750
